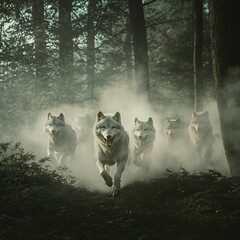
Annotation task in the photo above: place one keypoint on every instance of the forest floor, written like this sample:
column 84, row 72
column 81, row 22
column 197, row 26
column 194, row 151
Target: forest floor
column 40, row 204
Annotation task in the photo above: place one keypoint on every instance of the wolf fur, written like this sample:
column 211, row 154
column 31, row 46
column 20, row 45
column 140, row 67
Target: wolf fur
column 201, row 134
column 142, row 139
column 61, row 139
column 173, row 131
column 110, row 147
column 83, row 124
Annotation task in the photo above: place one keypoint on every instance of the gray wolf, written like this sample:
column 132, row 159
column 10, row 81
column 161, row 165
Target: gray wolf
column 62, row 139
column 110, row 148
column 201, row 134
column 173, row 131
column 83, row 125
column 177, row 149
column 142, row 139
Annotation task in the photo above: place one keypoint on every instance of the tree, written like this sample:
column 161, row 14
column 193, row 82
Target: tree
column 197, row 54
column 65, row 43
column 140, row 48
column 91, row 45
column 127, row 48
column 225, row 39
column 40, row 43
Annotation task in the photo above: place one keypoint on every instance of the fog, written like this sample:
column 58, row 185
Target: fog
column 34, row 139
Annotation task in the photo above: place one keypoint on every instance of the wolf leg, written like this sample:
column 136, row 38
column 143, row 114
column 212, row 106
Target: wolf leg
column 72, row 160
column 207, row 153
column 104, row 174
column 137, row 160
column 146, row 161
column 117, row 177
column 52, row 155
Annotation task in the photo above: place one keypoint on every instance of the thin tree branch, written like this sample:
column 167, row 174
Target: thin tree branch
column 148, row 3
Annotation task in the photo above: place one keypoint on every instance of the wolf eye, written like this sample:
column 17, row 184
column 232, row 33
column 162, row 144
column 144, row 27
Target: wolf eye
column 103, row 127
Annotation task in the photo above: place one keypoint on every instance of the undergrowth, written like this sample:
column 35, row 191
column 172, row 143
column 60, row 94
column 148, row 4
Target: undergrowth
column 38, row 202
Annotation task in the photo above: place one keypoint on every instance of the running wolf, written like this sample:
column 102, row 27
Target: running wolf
column 61, row 139
column 173, row 131
column 201, row 134
column 83, row 125
column 142, row 139
column 111, row 147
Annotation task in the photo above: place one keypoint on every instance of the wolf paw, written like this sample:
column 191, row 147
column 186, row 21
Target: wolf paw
column 107, row 178
column 115, row 192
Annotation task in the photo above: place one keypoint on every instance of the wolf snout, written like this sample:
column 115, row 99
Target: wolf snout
column 142, row 139
column 108, row 137
column 109, row 140
column 53, row 132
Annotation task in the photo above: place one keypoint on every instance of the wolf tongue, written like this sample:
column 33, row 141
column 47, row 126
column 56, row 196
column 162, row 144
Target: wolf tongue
column 109, row 142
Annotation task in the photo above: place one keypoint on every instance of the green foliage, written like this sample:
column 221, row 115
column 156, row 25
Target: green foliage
column 20, row 168
column 39, row 203
column 202, row 197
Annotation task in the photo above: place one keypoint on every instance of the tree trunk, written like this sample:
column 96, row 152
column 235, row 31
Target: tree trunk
column 65, row 45
column 91, row 46
column 139, row 46
column 225, row 44
column 197, row 55
column 40, row 43
column 128, row 51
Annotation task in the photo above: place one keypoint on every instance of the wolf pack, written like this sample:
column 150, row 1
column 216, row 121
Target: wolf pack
column 113, row 145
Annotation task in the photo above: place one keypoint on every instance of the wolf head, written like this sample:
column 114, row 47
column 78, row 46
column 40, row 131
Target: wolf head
column 54, row 124
column 172, row 127
column 144, row 132
column 83, row 124
column 108, row 128
column 200, row 120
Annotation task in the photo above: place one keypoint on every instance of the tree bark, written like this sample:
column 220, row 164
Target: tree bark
column 40, row 43
column 197, row 55
column 65, row 43
column 140, row 47
column 128, row 51
column 91, row 47
column 225, row 44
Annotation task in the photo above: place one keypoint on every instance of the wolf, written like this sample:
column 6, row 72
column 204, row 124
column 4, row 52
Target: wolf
column 142, row 139
column 62, row 139
column 83, row 125
column 173, row 131
column 201, row 134
column 111, row 144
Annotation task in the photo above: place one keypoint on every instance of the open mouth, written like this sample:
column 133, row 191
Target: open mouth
column 55, row 134
column 143, row 140
column 108, row 141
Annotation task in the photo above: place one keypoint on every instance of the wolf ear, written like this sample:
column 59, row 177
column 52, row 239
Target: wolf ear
column 117, row 117
column 206, row 113
column 136, row 121
column 49, row 116
column 194, row 114
column 61, row 117
column 100, row 116
column 150, row 121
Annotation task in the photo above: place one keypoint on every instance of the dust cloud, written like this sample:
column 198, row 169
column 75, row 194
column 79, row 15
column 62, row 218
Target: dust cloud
column 121, row 99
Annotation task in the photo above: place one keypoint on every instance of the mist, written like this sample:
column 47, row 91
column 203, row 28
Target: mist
column 121, row 99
